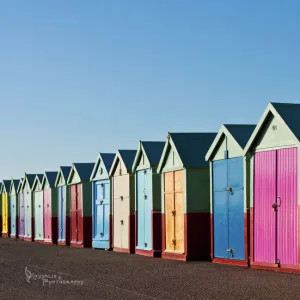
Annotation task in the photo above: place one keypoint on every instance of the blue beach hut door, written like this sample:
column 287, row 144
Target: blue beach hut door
column 62, row 214
column 101, row 214
column 13, row 219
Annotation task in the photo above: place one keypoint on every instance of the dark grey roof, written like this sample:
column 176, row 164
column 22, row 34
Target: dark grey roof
column 16, row 183
column 108, row 159
column 7, row 185
column 84, row 170
column 290, row 113
column 192, row 147
column 153, row 151
column 30, row 178
column 128, row 157
column 66, row 171
column 240, row 132
column 51, row 176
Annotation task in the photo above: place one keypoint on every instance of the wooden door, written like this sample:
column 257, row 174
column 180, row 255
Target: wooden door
column 13, row 227
column 79, row 216
column 4, row 213
column 47, row 215
column 61, row 213
column 73, row 214
column 39, row 215
column 21, row 215
column 28, row 214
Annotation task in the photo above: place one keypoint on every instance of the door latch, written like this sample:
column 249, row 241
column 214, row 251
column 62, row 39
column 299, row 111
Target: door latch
column 230, row 250
column 122, row 222
column 173, row 213
column 101, row 234
column 145, row 244
column 174, row 242
column 101, row 201
column 229, row 189
column 274, row 206
column 145, row 197
column 121, row 198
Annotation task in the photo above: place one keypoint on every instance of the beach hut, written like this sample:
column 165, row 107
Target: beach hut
column 13, row 200
column 229, row 182
column 123, row 198
column 29, row 212
column 38, row 204
column 102, row 226
column 185, row 196
column 5, row 208
column 273, row 151
column 63, row 202
column 21, row 210
column 148, row 198
column 50, row 207
column 81, row 204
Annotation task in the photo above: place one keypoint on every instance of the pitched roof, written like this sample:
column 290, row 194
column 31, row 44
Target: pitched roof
column 30, row 178
column 153, row 151
column 192, row 147
column 51, row 177
column 240, row 132
column 128, row 158
column 108, row 159
column 66, row 171
column 288, row 112
column 40, row 177
column 15, row 184
column 7, row 185
column 84, row 170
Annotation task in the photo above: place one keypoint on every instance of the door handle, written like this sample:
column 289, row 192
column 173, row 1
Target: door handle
column 278, row 201
column 173, row 242
column 173, row 213
column 101, row 234
column 145, row 244
column 101, row 201
column 274, row 206
column 121, row 198
column 145, row 197
column 228, row 189
column 122, row 222
column 230, row 250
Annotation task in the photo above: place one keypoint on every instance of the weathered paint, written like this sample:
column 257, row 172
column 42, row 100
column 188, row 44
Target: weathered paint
column 185, row 197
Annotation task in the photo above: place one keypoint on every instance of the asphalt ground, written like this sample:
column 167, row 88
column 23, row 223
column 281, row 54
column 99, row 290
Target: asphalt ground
column 35, row 271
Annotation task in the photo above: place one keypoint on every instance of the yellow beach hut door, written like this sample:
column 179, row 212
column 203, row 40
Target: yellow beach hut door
column 4, row 214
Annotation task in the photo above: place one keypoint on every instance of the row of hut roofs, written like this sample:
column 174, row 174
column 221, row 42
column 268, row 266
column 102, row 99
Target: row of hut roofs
column 231, row 197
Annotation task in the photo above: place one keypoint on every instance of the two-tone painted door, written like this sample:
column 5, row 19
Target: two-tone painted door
column 62, row 213
column 144, row 209
column 174, row 211
column 101, row 214
column 228, row 209
column 21, row 215
column 39, row 215
column 4, row 213
column 47, row 216
column 13, row 213
column 76, row 214
column 275, row 207
column 121, row 211
column 28, row 214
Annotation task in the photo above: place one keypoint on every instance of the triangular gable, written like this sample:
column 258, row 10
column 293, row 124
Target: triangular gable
column 5, row 186
column 19, row 189
column 48, row 180
column 28, row 182
column 231, row 137
column 148, row 155
column 14, row 183
column 123, row 162
column 273, row 130
column 80, row 172
column 170, row 158
column 37, row 184
column 102, row 166
column 62, row 176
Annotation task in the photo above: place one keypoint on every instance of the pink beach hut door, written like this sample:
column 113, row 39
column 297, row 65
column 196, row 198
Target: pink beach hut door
column 275, row 207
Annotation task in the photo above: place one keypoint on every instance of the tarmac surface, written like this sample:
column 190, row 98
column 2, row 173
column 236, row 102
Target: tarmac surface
column 35, row 271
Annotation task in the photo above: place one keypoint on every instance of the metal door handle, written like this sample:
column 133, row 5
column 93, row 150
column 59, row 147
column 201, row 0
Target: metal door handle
column 278, row 201
column 121, row 198
column 274, row 206
column 101, row 201
column 101, row 234
column 122, row 222
column 145, row 197
column 173, row 242
column 173, row 213
column 230, row 250
column 145, row 244
column 39, row 206
column 229, row 189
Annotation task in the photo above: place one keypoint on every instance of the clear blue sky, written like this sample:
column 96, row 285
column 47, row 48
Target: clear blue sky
column 79, row 77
